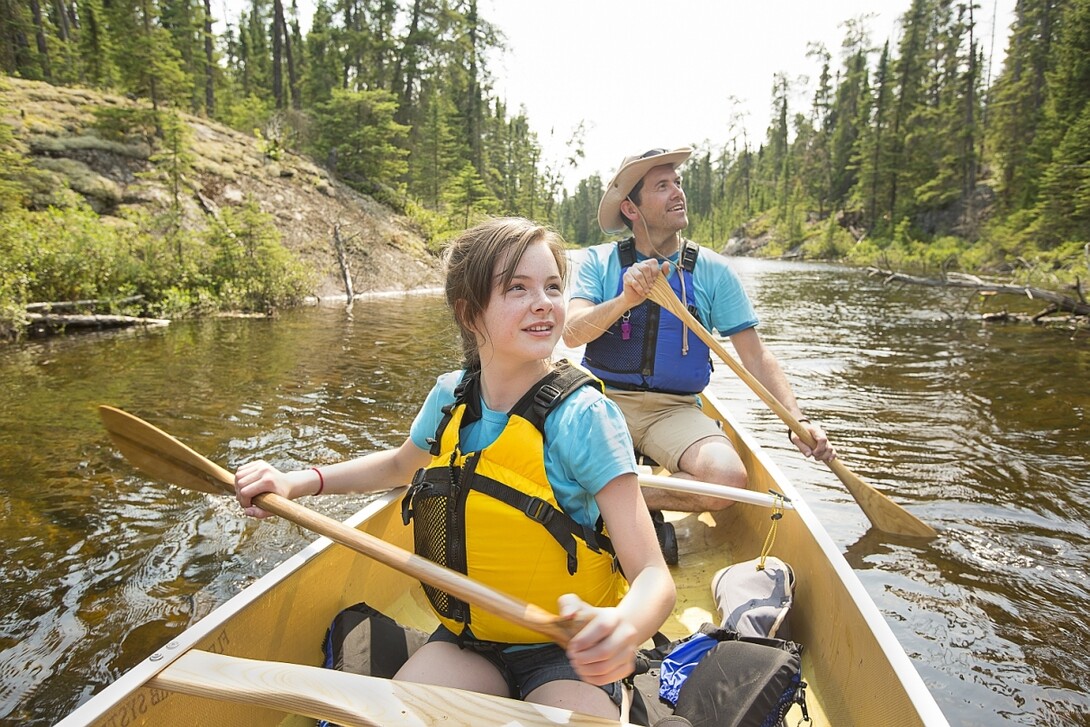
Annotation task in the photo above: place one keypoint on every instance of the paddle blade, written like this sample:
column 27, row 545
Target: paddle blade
column 161, row 456
column 884, row 514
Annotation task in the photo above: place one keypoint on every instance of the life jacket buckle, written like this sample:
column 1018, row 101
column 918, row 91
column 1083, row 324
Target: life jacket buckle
column 538, row 510
column 547, row 395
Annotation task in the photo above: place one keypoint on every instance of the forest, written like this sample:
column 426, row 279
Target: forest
column 908, row 155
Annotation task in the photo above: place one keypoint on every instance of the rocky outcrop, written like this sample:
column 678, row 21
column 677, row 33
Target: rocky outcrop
column 55, row 128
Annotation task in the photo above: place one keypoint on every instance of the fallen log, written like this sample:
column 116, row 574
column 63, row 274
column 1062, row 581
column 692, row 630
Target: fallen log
column 45, row 323
column 70, row 304
column 964, row 280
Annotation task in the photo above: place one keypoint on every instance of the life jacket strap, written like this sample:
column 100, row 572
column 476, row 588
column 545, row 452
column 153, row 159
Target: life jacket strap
column 559, row 524
column 626, row 253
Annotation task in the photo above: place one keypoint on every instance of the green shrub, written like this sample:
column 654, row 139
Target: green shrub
column 250, row 269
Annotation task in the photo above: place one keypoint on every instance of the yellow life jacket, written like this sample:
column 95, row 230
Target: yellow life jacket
column 493, row 516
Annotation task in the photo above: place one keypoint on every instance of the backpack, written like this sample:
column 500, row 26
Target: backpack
column 736, row 674
column 360, row 640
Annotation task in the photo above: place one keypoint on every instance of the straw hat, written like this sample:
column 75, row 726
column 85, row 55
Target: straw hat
column 631, row 172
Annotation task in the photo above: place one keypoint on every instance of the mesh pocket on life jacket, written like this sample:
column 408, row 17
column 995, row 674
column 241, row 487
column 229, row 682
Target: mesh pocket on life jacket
column 431, row 513
column 625, row 356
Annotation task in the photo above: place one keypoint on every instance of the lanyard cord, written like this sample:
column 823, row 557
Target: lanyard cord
column 680, row 273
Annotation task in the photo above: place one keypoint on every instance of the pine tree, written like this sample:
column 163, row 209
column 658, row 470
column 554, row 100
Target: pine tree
column 1062, row 211
column 149, row 65
column 1017, row 102
column 96, row 46
column 323, row 59
column 357, row 130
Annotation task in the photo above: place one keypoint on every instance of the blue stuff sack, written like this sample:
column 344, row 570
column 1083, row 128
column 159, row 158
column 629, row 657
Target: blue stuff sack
column 679, row 663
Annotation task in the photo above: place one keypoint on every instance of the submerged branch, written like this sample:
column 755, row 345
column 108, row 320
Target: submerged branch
column 1058, row 302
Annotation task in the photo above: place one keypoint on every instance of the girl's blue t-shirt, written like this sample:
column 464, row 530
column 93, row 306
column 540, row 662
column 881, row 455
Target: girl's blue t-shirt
column 587, row 443
column 720, row 298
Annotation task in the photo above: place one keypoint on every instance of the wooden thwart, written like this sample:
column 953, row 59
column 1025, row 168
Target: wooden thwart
column 353, row 700
column 697, row 487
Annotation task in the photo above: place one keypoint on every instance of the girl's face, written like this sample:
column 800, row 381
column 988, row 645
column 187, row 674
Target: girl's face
column 525, row 318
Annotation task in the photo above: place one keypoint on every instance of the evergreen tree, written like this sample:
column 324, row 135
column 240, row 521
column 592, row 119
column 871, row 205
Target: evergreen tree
column 907, row 115
column 1062, row 211
column 96, row 46
column 468, row 196
column 323, row 58
column 436, row 154
column 1017, row 103
column 148, row 63
column 850, row 112
column 356, row 129
column 17, row 57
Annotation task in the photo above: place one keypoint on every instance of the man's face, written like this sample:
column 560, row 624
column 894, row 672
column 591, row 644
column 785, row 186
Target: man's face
column 662, row 200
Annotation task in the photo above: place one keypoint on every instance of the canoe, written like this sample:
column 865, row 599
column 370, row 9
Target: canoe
column 256, row 659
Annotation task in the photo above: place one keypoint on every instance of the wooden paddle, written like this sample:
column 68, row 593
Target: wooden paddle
column 884, row 514
column 162, row 456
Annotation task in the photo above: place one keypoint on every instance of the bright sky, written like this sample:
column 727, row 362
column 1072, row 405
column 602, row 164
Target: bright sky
column 645, row 74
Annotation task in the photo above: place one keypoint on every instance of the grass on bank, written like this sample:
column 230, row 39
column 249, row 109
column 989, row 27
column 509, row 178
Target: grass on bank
column 64, row 254
column 1000, row 252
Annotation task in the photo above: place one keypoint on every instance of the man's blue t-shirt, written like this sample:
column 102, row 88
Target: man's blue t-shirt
column 721, row 300
column 587, row 443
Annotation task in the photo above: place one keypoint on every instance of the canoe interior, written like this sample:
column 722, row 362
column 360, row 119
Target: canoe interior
column 856, row 672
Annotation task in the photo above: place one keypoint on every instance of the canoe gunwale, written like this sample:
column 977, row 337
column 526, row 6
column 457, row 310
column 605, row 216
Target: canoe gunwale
column 100, row 703
column 917, row 691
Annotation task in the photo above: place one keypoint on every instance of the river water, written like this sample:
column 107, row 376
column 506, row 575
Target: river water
column 979, row 430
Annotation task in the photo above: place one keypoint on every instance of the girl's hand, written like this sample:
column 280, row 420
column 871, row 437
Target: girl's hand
column 605, row 649
column 254, row 478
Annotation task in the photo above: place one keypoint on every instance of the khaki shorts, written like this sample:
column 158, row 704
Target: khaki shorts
column 663, row 426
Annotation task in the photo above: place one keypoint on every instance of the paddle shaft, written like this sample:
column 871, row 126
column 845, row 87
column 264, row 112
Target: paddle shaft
column 161, row 455
column 883, row 513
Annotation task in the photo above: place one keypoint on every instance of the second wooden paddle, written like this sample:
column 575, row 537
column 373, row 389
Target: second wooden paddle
column 884, row 513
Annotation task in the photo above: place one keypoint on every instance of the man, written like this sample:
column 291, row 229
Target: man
column 652, row 366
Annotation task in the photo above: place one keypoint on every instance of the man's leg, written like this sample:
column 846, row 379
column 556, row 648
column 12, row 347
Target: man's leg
column 677, row 434
column 711, row 459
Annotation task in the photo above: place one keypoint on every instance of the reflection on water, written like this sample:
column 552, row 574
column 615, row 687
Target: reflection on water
column 980, row 431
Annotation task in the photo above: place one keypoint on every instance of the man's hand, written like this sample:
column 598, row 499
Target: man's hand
column 639, row 278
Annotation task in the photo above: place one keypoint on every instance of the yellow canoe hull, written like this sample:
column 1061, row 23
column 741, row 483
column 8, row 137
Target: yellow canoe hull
column 857, row 672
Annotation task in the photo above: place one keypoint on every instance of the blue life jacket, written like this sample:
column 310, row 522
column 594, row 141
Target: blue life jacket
column 642, row 350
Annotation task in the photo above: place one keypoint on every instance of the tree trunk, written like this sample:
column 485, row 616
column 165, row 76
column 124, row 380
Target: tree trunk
column 153, row 81
column 293, row 79
column 277, row 42
column 405, row 69
column 209, row 63
column 39, row 35
column 63, row 29
column 474, row 126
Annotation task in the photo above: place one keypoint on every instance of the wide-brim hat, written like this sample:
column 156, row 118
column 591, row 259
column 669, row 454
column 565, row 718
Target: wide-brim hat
column 628, row 175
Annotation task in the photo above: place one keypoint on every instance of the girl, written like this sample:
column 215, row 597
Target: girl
column 515, row 463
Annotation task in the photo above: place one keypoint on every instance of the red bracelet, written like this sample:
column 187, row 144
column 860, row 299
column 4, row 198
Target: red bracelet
column 321, row 481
